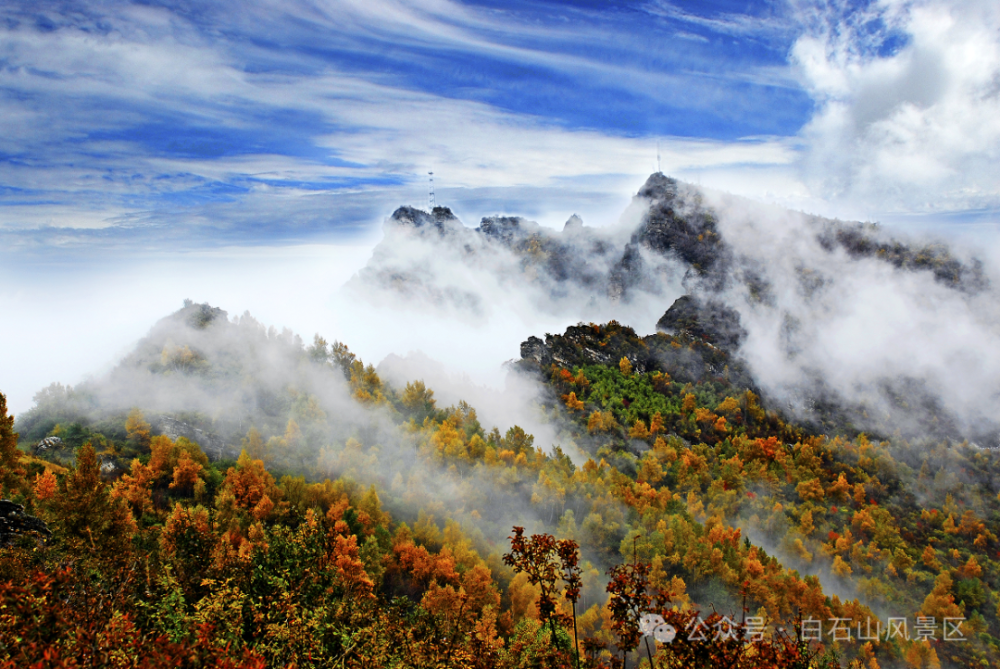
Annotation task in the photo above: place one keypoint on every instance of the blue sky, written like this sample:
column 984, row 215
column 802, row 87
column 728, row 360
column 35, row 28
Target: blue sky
column 123, row 114
column 142, row 130
column 185, row 116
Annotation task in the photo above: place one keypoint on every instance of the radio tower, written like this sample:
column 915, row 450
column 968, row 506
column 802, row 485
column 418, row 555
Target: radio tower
column 658, row 170
column 430, row 192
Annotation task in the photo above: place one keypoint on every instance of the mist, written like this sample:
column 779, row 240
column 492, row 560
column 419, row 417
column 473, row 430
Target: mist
column 442, row 301
column 840, row 317
column 75, row 320
column 857, row 326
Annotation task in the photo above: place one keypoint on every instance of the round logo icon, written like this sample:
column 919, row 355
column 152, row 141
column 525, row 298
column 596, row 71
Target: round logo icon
column 650, row 621
column 651, row 624
column 664, row 633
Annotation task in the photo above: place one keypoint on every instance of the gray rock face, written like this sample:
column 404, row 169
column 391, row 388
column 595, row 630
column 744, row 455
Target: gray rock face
column 596, row 263
column 440, row 220
column 677, row 223
column 708, row 320
column 535, row 349
column 507, row 229
column 14, row 522
column 862, row 240
column 583, row 345
column 432, row 257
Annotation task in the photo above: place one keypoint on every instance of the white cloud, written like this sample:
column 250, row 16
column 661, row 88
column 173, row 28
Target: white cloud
column 725, row 23
column 73, row 320
column 917, row 129
column 74, row 89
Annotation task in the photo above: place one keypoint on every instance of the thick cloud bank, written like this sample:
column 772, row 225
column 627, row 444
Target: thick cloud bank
column 908, row 105
column 842, row 324
column 838, row 323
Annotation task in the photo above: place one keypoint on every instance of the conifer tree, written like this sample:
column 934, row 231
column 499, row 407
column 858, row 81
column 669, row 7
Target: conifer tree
column 11, row 471
column 87, row 516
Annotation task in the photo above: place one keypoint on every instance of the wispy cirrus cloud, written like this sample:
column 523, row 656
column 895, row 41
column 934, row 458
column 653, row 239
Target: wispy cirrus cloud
column 191, row 115
column 122, row 112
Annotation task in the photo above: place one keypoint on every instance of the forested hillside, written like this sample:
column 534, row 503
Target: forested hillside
column 230, row 497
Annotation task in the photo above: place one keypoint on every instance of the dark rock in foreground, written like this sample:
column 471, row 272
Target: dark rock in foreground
column 14, row 522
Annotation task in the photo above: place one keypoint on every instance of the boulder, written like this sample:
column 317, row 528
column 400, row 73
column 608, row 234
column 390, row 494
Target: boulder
column 47, row 444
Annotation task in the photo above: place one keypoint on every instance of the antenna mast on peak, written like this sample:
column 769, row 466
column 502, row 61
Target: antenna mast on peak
column 658, row 170
column 430, row 193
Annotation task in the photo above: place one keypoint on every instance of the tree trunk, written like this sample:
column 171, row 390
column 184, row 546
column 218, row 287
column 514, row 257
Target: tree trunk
column 576, row 641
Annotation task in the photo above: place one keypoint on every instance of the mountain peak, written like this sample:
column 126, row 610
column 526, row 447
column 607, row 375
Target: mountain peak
column 440, row 219
column 659, row 187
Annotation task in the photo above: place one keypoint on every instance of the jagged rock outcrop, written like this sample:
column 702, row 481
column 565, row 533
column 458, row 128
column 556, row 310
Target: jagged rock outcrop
column 739, row 262
column 709, row 320
column 573, row 224
column 865, row 240
column 676, row 227
column 588, row 345
column 440, row 221
column 685, row 359
column 433, row 258
column 676, row 224
column 14, row 522
column 508, row 229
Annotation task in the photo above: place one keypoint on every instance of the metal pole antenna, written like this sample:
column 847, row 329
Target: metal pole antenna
column 430, row 194
column 658, row 157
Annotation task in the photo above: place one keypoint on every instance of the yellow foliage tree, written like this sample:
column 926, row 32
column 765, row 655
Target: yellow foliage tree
column 87, row 512
column 136, row 488
column 572, row 403
column 841, row 568
column 806, row 523
column 625, row 366
column 187, row 476
column 638, row 430
column 840, row 489
column 810, row 490
column 248, row 483
column 971, row 568
column 418, row 398
column 137, row 429
column 254, row 444
column 656, row 424
column 293, row 436
column 728, row 407
column 801, row 551
column 601, row 421
column 940, row 603
column 921, row 655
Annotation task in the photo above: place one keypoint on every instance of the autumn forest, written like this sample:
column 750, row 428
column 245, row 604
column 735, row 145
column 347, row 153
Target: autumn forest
column 692, row 525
